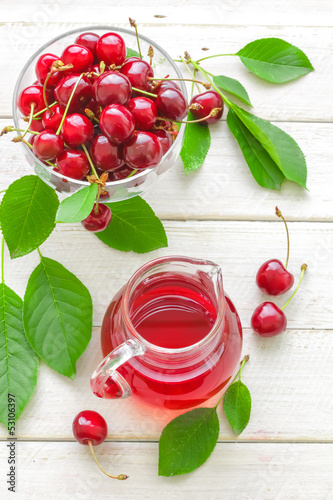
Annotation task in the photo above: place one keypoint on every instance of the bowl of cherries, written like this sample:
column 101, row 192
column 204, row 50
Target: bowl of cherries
column 88, row 106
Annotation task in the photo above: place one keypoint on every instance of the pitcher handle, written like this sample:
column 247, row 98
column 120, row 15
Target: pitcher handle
column 106, row 382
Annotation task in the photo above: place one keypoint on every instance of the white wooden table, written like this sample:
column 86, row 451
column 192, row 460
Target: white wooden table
column 286, row 452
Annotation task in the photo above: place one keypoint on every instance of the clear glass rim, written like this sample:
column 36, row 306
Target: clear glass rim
column 162, row 260
column 44, row 47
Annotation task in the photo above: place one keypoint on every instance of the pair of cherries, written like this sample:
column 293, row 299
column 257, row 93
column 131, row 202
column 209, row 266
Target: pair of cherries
column 273, row 278
column 90, row 429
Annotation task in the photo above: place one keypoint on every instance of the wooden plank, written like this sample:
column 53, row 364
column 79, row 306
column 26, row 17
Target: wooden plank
column 244, row 471
column 287, row 376
column 239, row 12
column 239, row 247
column 295, row 101
column 224, row 187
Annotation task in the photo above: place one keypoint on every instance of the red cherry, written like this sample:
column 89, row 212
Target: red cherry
column 47, row 145
column 77, row 55
column 268, row 320
column 89, row 426
column 76, row 130
column 37, row 126
column 112, row 87
column 120, row 174
column 207, row 102
column 171, row 104
column 165, row 139
column 89, row 41
column 98, row 221
column 82, row 94
column 95, row 68
column 105, row 155
column 163, row 85
column 142, row 151
column 138, row 71
column 31, row 95
column 43, row 67
column 94, row 107
column 73, row 163
column 52, row 119
column 273, row 278
column 117, row 123
column 144, row 112
column 111, row 49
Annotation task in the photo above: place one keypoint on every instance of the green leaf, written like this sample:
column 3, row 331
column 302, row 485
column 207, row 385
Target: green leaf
column 133, row 226
column 233, row 86
column 57, row 316
column 263, row 168
column 275, row 60
column 282, row 148
column 237, row 406
column 28, row 211
column 196, row 145
column 187, row 441
column 131, row 52
column 77, row 207
column 18, row 362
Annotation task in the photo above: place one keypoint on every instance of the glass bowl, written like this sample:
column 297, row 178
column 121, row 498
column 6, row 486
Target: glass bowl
column 118, row 190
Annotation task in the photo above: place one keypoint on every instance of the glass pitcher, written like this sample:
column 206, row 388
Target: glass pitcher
column 170, row 336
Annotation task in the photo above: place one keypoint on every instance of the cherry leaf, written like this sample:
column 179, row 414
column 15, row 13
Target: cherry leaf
column 131, row 53
column 232, row 86
column 196, row 145
column 237, row 406
column 18, row 362
column 78, row 206
column 28, row 211
column 275, row 60
column 263, row 168
column 57, row 316
column 282, row 148
column 133, row 226
column 187, row 441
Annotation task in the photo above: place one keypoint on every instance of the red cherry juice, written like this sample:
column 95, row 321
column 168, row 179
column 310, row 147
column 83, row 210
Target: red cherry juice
column 175, row 312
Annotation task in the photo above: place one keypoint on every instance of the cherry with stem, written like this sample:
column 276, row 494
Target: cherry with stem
column 273, row 277
column 90, row 429
column 269, row 320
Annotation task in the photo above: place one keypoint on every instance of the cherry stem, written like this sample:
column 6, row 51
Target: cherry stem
column 205, row 84
column 50, row 73
column 150, row 54
column 32, row 107
column 215, row 55
column 91, row 115
column 211, row 114
column 279, row 214
column 121, row 476
column 132, row 173
column 68, row 104
column 27, row 143
column 42, row 111
column 303, row 269
column 238, row 375
column 94, row 171
column 2, row 260
column 133, row 24
column 204, row 73
column 192, row 76
column 143, row 92
column 97, row 202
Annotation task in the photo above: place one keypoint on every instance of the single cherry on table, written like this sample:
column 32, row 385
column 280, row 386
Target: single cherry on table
column 90, row 429
column 98, row 219
column 273, row 277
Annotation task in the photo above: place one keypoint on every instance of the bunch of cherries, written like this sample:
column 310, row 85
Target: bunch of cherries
column 273, row 278
column 95, row 114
